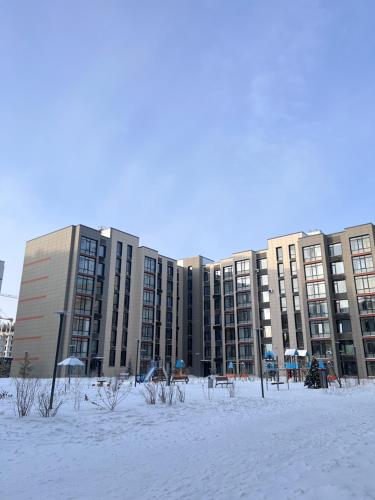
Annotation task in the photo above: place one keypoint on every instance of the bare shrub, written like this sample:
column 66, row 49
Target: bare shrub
column 166, row 394
column 208, row 392
column 26, row 391
column 149, row 392
column 4, row 394
column 162, row 393
column 181, row 394
column 110, row 397
column 43, row 401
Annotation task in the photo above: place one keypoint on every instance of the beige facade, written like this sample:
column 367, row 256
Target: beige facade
column 120, row 302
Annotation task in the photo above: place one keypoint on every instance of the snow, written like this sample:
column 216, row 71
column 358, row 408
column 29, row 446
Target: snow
column 296, row 443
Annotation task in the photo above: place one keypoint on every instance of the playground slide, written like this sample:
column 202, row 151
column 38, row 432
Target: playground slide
column 149, row 374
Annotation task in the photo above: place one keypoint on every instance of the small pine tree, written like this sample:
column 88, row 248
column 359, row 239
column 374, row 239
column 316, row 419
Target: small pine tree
column 312, row 380
column 25, row 367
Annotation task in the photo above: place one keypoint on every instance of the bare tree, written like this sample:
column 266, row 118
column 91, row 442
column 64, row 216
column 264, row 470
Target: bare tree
column 25, row 367
column 26, row 391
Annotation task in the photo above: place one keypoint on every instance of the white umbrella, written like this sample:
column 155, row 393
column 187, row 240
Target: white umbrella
column 71, row 361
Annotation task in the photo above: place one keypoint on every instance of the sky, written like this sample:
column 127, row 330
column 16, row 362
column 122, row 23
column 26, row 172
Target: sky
column 202, row 126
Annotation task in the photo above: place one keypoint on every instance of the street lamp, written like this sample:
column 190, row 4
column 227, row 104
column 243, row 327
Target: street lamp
column 61, row 314
column 136, row 364
column 260, row 360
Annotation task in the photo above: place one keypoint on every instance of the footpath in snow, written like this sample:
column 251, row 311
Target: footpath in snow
column 309, row 444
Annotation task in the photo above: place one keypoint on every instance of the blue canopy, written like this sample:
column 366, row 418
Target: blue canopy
column 180, row 363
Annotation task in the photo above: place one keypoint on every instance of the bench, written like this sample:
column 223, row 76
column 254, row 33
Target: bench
column 223, row 381
column 180, row 378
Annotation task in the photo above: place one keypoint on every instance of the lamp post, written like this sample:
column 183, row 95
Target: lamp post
column 61, row 314
column 260, row 360
column 136, row 364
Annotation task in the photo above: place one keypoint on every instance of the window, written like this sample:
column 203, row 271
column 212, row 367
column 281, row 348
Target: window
column 118, row 265
column 292, row 252
column 313, row 252
column 368, row 326
column 363, row 264
column 80, row 347
column 243, row 283
column 365, row 284
column 262, row 264
column 279, row 253
column 228, row 302
column 316, row 290
column 280, row 270
column 81, row 326
column 119, row 249
column 243, row 299
column 314, row 271
column 282, row 286
column 335, row 250
column 101, row 270
column 360, row 244
column 228, row 287
column 169, row 301
column 148, row 314
column 369, row 349
column 295, row 286
column 217, row 274
column 265, row 313
column 228, row 272
column 296, row 301
column 148, row 297
column 88, row 246
column 244, row 332
column 263, row 280
column 129, row 252
column 337, row 267
column 242, row 266
column 243, row 316
column 293, row 267
column 150, row 265
column 86, row 265
column 229, row 319
column 83, row 305
column 339, row 286
column 264, row 296
column 149, row 280
column 318, row 309
column 246, row 351
column 283, row 305
column 366, row 305
column 267, row 331
column 320, row 329
column 102, row 251
column 320, row 349
column 343, row 326
column 342, row 306
column 170, row 272
column 147, row 332
column 85, row 285
column 230, row 352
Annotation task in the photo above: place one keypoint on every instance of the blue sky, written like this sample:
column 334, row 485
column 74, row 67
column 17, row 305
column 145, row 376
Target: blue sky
column 225, row 123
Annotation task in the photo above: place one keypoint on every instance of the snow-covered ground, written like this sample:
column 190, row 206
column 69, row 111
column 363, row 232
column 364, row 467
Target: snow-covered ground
column 297, row 443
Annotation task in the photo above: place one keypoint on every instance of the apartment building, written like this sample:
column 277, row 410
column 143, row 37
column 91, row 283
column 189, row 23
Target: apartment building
column 310, row 292
column 120, row 302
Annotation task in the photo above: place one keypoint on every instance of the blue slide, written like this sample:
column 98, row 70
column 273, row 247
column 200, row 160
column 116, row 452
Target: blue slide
column 149, row 374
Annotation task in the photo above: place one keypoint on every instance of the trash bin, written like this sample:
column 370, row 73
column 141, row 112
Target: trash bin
column 210, row 381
